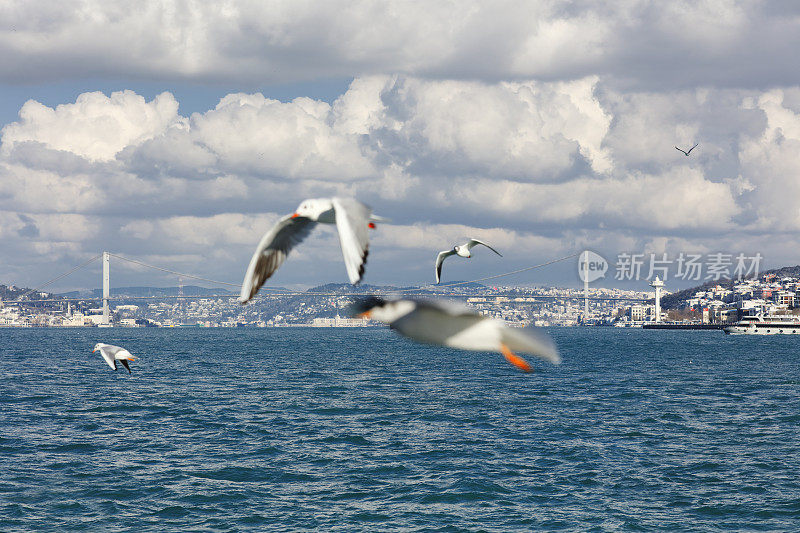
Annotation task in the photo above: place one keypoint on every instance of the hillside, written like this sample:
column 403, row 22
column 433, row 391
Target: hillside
column 10, row 292
column 116, row 292
column 672, row 301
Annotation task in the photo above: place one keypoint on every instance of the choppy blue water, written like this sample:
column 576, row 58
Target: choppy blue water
column 353, row 429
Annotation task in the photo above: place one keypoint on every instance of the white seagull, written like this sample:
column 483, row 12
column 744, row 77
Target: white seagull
column 352, row 218
column 112, row 354
column 463, row 250
column 457, row 326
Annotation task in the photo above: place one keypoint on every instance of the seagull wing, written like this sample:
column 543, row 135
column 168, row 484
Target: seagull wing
column 436, row 321
column 692, row 148
column 271, row 252
column 447, row 307
column 531, row 340
column 352, row 222
column 678, row 149
column 439, row 260
column 473, row 242
column 122, row 353
column 114, row 350
column 108, row 356
column 125, row 364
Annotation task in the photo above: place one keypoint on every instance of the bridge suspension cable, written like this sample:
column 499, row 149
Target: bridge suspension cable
column 185, row 275
column 172, row 271
column 64, row 275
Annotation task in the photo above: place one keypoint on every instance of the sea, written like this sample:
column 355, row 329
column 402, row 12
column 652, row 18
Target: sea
column 359, row 429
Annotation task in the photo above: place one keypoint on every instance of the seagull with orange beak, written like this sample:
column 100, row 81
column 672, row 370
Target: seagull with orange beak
column 112, row 354
column 457, row 326
column 352, row 219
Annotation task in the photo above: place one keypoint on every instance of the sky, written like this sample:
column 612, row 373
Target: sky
column 178, row 132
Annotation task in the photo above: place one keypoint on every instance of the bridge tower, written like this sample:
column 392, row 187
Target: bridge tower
column 181, row 302
column 106, row 287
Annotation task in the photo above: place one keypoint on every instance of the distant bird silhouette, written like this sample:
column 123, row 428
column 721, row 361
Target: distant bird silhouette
column 685, row 152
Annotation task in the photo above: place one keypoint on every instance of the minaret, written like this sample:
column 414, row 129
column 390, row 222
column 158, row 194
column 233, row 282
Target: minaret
column 657, row 284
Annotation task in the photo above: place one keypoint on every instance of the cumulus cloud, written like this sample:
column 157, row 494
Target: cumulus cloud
column 96, row 126
column 538, row 168
column 525, row 131
column 769, row 164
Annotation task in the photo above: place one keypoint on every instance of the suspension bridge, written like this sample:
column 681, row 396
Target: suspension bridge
column 444, row 289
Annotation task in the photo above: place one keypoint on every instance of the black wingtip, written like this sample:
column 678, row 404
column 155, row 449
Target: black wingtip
column 125, row 364
column 362, row 266
column 362, row 305
column 363, row 263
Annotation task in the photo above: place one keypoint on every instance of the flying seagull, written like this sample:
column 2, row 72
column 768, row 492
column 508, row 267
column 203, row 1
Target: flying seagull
column 352, row 218
column 112, row 354
column 457, row 326
column 685, row 152
column 463, row 250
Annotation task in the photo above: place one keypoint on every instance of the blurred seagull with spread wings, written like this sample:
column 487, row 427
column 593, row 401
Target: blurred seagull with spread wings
column 462, row 250
column 685, row 152
column 457, row 326
column 352, row 219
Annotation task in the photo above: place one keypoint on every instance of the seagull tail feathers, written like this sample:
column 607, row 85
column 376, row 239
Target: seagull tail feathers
column 533, row 341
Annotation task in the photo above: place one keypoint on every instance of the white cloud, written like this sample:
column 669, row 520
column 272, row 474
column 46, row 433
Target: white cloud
column 197, row 233
column 253, row 135
column 527, row 131
column 640, row 43
column 256, row 134
column 96, row 126
column 770, row 167
column 680, row 199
